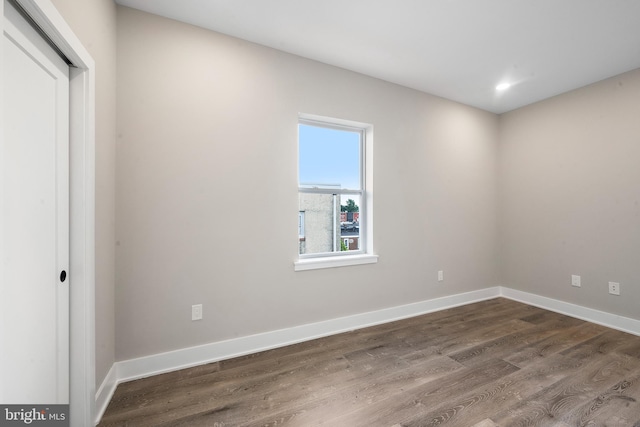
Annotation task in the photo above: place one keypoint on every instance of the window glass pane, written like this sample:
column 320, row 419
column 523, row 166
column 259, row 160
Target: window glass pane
column 321, row 223
column 350, row 222
column 328, row 158
column 331, row 223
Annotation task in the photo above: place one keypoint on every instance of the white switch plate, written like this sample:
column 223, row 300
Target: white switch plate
column 614, row 288
column 575, row 280
column 440, row 275
column 196, row 312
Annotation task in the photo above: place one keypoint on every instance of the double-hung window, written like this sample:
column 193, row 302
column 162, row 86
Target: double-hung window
column 334, row 218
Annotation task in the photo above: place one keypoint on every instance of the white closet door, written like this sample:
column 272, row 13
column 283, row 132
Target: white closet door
column 35, row 212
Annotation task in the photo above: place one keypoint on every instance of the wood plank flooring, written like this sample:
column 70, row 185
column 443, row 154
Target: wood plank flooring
column 493, row 363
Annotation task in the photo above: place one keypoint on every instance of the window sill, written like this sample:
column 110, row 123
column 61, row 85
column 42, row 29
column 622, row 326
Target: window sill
column 334, row 261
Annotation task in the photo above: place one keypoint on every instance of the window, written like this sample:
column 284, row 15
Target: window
column 334, row 193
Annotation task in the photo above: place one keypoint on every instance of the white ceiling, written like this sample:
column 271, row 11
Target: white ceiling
column 457, row 49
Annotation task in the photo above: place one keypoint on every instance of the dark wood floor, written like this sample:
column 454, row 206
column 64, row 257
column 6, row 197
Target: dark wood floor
column 493, row 363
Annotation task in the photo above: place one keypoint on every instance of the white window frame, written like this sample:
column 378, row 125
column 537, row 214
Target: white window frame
column 365, row 254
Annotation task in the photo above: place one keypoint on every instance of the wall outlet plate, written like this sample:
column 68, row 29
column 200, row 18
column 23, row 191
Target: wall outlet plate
column 196, row 312
column 575, row 280
column 440, row 275
column 614, row 288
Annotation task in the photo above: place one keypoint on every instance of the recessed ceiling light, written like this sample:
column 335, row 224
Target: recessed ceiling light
column 503, row 86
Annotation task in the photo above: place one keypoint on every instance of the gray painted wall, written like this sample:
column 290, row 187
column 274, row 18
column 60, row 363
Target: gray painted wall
column 206, row 132
column 570, row 196
column 94, row 23
column 206, row 163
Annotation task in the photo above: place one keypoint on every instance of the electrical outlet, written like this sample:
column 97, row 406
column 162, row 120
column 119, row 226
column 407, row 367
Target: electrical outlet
column 575, row 280
column 440, row 275
column 196, row 312
column 614, row 288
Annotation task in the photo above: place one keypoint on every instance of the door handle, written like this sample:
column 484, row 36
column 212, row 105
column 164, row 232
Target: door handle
column 63, row 276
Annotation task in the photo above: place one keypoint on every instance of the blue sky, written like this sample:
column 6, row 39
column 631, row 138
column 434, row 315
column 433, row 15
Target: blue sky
column 329, row 156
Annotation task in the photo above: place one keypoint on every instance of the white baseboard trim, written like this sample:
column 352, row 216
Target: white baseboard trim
column 187, row 357
column 621, row 323
column 105, row 392
column 128, row 370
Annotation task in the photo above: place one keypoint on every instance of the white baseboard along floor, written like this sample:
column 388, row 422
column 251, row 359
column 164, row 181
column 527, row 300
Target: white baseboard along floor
column 128, row 370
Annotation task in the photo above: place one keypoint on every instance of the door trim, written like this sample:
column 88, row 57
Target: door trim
column 82, row 205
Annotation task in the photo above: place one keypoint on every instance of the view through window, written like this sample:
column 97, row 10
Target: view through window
column 331, row 188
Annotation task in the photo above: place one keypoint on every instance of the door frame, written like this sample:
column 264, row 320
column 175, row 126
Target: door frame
column 81, row 205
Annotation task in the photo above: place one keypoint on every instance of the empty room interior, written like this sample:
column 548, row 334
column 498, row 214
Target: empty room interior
column 491, row 274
